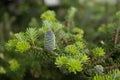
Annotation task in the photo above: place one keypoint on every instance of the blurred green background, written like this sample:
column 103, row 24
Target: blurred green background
column 15, row 15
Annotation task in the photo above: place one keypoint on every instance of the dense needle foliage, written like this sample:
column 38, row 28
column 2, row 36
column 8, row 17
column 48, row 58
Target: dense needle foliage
column 51, row 49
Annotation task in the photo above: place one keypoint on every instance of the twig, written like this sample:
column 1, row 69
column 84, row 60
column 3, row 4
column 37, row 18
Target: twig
column 37, row 48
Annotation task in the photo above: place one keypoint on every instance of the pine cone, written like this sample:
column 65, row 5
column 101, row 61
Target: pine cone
column 99, row 69
column 49, row 42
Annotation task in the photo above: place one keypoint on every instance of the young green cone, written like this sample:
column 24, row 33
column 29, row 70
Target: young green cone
column 49, row 41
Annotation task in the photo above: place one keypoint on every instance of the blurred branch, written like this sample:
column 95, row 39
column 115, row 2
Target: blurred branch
column 116, row 36
column 115, row 66
column 118, row 5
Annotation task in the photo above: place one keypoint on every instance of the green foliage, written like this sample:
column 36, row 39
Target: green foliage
column 118, row 14
column 20, row 36
column 54, row 50
column 2, row 70
column 48, row 15
column 21, row 41
column 22, row 47
column 73, row 56
column 31, row 35
column 71, row 13
column 110, row 28
column 77, row 30
column 50, row 22
column 56, row 26
column 80, row 45
column 83, row 58
column 78, row 34
column 71, row 49
column 112, row 75
column 72, row 65
column 61, row 61
column 1, row 56
column 11, row 44
column 14, row 65
column 98, row 52
column 74, row 59
column 33, row 23
column 78, row 37
column 18, row 43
